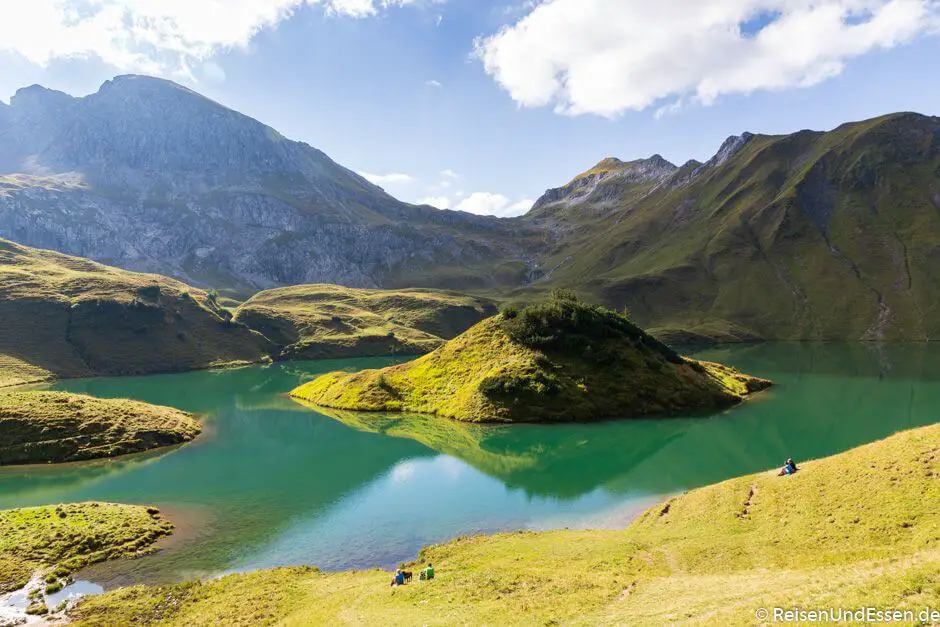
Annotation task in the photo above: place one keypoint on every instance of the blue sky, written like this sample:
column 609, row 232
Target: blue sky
column 483, row 104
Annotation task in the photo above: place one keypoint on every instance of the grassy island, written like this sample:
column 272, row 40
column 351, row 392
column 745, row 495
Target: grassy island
column 562, row 360
column 59, row 539
column 331, row 322
column 40, row 427
column 857, row 529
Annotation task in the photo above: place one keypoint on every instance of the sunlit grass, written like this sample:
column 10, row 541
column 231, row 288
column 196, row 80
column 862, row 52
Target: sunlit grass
column 857, row 528
column 41, row 427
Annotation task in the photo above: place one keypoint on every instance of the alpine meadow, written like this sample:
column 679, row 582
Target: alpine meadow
column 307, row 316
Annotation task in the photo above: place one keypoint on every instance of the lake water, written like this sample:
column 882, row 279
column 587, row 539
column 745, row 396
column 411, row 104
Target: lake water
column 275, row 483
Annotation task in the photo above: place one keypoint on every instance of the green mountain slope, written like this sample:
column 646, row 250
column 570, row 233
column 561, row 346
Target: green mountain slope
column 555, row 362
column 69, row 317
column 806, row 236
column 329, row 321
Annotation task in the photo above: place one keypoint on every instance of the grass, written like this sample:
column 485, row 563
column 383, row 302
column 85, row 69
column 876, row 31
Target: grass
column 43, row 427
column 562, row 360
column 69, row 317
column 857, row 529
column 330, row 321
column 59, row 539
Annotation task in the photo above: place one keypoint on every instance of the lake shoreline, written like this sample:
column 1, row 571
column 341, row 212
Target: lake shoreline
column 288, row 485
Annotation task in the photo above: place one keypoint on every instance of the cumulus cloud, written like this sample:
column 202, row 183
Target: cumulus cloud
column 433, row 83
column 441, row 202
column 155, row 36
column 394, row 178
column 450, row 174
column 605, row 57
column 486, row 203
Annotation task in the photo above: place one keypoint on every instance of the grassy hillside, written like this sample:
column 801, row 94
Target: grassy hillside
column 69, row 317
column 60, row 539
column 809, row 236
column 856, row 529
column 41, row 427
column 330, row 321
column 559, row 361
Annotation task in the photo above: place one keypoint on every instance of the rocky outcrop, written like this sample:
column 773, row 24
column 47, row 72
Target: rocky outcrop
column 599, row 184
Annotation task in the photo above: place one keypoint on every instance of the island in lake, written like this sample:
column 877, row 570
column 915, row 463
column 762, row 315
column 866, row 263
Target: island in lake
column 561, row 360
column 48, row 427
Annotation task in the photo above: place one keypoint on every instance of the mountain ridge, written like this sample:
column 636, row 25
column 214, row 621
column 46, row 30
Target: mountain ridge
column 812, row 235
column 167, row 180
column 809, row 235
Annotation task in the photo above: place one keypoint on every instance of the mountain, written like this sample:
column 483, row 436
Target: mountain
column 69, row 317
column 810, row 236
column 332, row 322
column 558, row 361
column 150, row 176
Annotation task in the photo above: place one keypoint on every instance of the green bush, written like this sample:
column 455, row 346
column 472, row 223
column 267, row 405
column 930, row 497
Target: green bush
column 565, row 324
column 536, row 384
column 37, row 609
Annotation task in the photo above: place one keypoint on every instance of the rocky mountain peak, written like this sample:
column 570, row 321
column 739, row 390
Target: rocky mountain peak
column 609, row 163
column 608, row 171
column 174, row 182
column 39, row 96
column 729, row 148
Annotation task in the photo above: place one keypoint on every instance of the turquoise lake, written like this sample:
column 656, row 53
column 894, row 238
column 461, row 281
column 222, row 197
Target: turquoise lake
column 274, row 483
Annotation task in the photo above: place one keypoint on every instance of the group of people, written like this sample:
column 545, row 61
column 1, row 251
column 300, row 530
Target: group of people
column 403, row 576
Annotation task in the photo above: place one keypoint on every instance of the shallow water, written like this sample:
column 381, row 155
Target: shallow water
column 274, row 483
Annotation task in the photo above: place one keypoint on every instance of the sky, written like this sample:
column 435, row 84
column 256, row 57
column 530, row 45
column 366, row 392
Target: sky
column 481, row 105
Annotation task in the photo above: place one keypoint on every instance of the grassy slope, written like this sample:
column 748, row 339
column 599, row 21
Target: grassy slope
column 805, row 236
column 65, row 538
column 330, row 321
column 857, row 529
column 68, row 317
column 610, row 369
column 40, row 427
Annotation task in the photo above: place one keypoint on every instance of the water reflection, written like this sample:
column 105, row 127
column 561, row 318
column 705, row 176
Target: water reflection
column 273, row 482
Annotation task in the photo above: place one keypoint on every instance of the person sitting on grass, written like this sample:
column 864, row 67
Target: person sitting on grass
column 399, row 579
column 427, row 574
column 788, row 468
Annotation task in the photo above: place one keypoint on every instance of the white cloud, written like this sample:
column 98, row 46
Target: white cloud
column 518, row 208
column 154, row 36
column 605, row 57
column 395, row 178
column 433, row 83
column 213, row 72
column 485, row 203
column 441, row 202
column 448, row 173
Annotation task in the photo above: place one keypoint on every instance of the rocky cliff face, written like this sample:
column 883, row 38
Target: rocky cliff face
column 148, row 175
